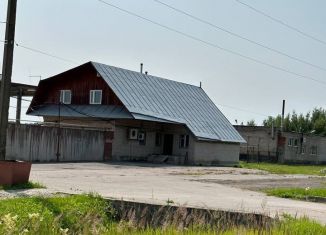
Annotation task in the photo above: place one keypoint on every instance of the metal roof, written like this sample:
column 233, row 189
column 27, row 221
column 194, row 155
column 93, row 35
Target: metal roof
column 94, row 111
column 154, row 98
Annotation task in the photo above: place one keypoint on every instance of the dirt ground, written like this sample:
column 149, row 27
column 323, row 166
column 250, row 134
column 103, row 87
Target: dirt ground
column 258, row 184
column 262, row 184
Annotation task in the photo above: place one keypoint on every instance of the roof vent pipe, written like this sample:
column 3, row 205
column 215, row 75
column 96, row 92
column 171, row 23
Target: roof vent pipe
column 200, row 84
column 141, row 67
column 282, row 120
column 146, row 73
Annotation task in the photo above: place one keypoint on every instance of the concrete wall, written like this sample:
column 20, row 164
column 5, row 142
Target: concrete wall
column 261, row 141
column 212, row 153
column 198, row 152
column 124, row 148
column 39, row 143
column 301, row 153
column 161, row 216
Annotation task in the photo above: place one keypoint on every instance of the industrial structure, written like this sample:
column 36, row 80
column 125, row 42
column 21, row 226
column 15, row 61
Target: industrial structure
column 18, row 91
column 272, row 144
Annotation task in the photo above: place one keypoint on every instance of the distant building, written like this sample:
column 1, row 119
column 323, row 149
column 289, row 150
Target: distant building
column 267, row 144
column 146, row 117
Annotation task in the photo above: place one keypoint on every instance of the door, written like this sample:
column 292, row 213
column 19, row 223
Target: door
column 108, row 139
column 168, row 144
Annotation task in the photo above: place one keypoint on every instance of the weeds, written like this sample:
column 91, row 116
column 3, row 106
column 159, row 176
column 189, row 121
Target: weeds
column 297, row 193
column 58, row 215
column 89, row 214
column 169, row 202
column 29, row 185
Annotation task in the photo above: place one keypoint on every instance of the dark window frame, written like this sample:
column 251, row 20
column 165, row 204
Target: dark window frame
column 296, row 143
column 142, row 142
column 313, row 150
column 303, row 149
column 184, row 140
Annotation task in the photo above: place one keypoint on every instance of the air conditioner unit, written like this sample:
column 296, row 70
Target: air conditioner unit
column 141, row 136
column 133, row 134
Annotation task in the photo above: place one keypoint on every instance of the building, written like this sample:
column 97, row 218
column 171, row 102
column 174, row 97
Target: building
column 145, row 116
column 304, row 148
column 270, row 144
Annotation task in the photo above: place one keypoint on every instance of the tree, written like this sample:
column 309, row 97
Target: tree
column 311, row 122
column 319, row 126
column 251, row 123
column 270, row 121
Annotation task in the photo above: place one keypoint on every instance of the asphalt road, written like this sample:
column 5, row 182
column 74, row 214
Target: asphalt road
column 188, row 186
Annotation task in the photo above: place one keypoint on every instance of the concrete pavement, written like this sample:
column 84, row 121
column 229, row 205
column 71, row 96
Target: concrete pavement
column 183, row 185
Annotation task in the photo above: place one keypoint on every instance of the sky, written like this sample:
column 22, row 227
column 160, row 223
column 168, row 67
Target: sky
column 88, row 30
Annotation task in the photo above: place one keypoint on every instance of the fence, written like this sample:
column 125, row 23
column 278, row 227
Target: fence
column 50, row 143
column 255, row 154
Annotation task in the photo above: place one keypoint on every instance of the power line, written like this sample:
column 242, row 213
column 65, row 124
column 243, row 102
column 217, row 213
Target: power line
column 69, row 106
column 227, row 106
column 186, row 35
column 282, row 23
column 85, row 114
column 238, row 35
column 89, row 115
column 214, row 45
column 42, row 52
column 243, row 110
column 45, row 53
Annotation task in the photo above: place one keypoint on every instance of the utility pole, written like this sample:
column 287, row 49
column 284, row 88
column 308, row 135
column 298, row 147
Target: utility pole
column 8, row 55
column 19, row 105
column 58, row 132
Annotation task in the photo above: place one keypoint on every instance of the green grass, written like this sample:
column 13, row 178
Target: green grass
column 88, row 214
column 297, row 193
column 53, row 215
column 287, row 169
column 29, row 185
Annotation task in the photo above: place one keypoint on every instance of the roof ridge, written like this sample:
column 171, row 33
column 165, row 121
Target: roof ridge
column 149, row 75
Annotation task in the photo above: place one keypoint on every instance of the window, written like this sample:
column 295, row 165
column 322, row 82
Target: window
column 142, row 137
column 95, row 97
column 313, row 150
column 296, row 142
column 290, row 142
column 65, row 96
column 133, row 134
column 303, row 150
column 158, row 139
column 184, row 141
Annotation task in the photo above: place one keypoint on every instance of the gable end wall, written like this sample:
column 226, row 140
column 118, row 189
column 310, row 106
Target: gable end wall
column 216, row 153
